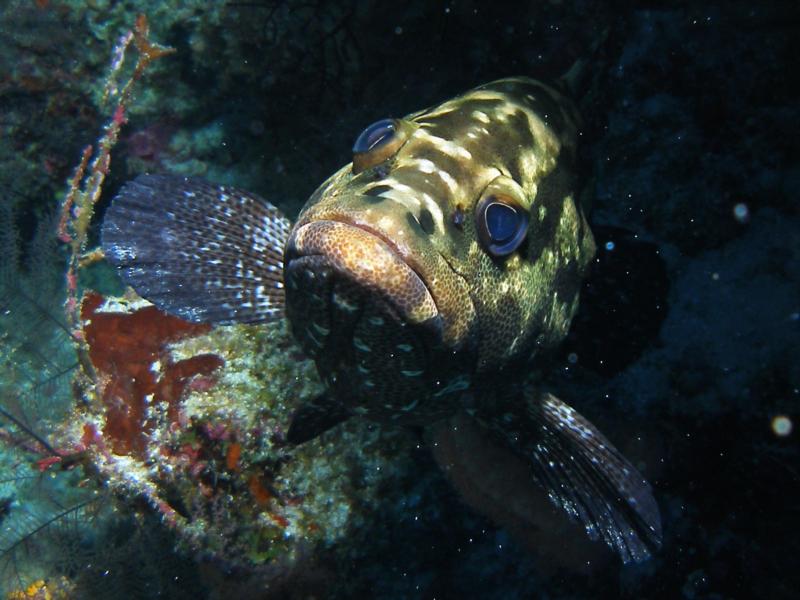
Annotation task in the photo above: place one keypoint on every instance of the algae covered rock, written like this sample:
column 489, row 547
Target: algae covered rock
column 192, row 421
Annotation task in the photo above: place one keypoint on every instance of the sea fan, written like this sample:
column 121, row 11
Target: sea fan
column 57, row 525
column 36, row 360
column 36, row 356
column 42, row 537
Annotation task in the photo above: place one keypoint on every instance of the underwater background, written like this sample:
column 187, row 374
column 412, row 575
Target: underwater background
column 690, row 163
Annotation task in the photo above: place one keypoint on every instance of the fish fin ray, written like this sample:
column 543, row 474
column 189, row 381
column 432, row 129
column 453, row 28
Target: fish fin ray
column 583, row 474
column 201, row 251
column 589, row 478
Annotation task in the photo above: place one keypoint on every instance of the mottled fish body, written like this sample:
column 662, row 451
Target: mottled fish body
column 424, row 278
column 406, row 227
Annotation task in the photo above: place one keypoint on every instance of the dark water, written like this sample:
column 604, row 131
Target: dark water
column 690, row 164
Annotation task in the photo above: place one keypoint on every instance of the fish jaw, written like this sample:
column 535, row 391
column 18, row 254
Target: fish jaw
column 368, row 318
column 365, row 257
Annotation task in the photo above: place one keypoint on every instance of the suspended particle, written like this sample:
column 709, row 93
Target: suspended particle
column 781, row 425
column 741, row 213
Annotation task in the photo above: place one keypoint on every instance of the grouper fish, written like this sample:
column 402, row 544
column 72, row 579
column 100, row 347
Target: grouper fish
column 427, row 279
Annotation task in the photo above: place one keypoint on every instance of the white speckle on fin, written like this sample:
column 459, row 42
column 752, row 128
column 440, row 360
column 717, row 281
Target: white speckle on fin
column 180, row 243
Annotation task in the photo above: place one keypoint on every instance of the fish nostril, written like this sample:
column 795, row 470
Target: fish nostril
column 426, row 221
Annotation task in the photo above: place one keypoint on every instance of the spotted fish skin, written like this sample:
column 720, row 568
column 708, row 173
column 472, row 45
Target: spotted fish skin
column 515, row 137
column 426, row 279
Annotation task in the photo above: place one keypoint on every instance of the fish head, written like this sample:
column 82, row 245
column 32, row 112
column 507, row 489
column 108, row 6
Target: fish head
column 449, row 248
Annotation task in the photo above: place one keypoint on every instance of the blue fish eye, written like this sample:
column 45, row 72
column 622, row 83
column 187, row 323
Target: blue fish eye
column 378, row 143
column 375, row 136
column 502, row 222
column 502, row 225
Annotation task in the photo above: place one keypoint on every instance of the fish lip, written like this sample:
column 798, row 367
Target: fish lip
column 405, row 257
column 393, row 248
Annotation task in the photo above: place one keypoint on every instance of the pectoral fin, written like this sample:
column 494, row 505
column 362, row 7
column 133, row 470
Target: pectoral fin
column 201, row 251
column 581, row 472
column 588, row 477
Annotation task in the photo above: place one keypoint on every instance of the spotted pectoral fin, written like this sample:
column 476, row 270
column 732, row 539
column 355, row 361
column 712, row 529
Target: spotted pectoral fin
column 582, row 473
column 497, row 482
column 315, row 418
column 201, row 251
column 587, row 477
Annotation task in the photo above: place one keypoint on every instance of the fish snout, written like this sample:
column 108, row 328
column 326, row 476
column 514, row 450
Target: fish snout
column 361, row 256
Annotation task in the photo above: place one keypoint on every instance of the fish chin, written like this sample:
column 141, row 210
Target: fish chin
column 364, row 316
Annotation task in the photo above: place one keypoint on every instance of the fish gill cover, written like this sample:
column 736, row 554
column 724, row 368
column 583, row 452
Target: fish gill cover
column 690, row 126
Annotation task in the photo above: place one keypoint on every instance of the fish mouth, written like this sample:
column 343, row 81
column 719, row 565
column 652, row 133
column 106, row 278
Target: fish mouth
column 368, row 258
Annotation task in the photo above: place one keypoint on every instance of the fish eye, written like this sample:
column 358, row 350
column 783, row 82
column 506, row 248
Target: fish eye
column 502, row 224
column 376, row 135
column 376, row 143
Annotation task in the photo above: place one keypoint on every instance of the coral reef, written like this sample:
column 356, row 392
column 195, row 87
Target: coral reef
column 185, row 421
column 191, row 421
